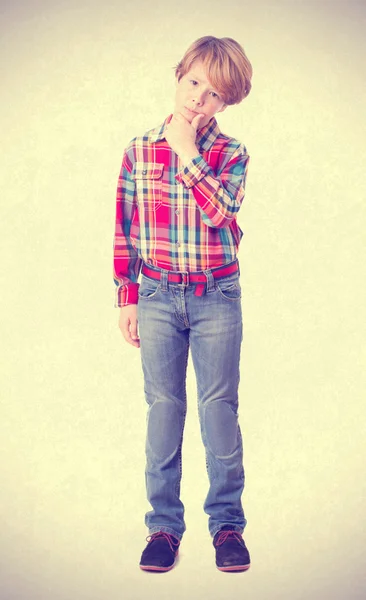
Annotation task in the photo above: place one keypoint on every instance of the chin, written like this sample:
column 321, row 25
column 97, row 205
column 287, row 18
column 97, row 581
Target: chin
column 190, row 113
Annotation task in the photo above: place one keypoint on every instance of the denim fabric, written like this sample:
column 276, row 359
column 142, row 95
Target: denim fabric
column 171, row 320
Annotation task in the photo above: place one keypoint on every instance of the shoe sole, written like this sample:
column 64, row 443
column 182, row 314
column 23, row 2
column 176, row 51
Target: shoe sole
column 154, row 568
column 159, row 569
column 234, row 568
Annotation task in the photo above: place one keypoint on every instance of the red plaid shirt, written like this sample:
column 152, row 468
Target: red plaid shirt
column 174, row 217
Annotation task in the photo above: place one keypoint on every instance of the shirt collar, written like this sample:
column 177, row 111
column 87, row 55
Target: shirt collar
column 205, row 137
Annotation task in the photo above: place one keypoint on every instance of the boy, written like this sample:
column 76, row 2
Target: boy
column 179, row 191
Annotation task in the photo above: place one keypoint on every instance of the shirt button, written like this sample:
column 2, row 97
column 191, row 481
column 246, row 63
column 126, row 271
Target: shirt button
column 177, row 212
column 144, row 172
column 178, row 244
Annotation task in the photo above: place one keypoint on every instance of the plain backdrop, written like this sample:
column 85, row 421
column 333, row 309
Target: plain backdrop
column 78, row 81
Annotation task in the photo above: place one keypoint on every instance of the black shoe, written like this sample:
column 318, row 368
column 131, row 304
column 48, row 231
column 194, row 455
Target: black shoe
column 160, row 553
column 231, row 551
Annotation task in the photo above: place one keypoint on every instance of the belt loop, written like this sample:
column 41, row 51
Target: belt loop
column 210, row 280
column 164, row 280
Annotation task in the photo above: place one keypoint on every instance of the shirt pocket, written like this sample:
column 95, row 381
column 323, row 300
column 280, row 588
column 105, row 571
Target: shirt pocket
column 149, row 184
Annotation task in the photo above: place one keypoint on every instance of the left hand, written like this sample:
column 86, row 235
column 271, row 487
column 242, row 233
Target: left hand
column 181, row 134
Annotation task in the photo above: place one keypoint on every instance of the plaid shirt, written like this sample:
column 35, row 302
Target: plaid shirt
column 174, row 217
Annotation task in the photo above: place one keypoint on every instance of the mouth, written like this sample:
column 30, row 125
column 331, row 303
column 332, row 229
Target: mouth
column 193, row 112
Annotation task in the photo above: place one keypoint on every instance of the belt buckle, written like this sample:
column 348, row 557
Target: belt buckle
column 185, row 278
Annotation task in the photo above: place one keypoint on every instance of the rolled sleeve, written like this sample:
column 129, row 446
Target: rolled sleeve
column 127, row 294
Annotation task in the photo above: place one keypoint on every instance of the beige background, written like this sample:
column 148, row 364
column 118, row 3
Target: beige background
column 79, row 80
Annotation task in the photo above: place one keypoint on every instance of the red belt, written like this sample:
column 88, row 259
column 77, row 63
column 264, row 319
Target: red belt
column 186, row 278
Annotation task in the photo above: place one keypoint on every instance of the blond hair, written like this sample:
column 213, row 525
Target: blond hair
column 227, row 66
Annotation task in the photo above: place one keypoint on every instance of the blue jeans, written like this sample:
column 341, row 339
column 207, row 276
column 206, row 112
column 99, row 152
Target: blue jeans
column 171, row 320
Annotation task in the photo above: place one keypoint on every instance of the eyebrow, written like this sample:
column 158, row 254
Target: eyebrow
column 195, row 77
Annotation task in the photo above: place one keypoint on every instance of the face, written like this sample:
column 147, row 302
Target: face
column 195, row 95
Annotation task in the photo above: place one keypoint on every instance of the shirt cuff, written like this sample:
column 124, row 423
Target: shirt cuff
column 127, row 294
column 193, row 172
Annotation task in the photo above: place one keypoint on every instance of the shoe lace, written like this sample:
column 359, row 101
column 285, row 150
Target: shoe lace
column 170, row 538
column 223, row 536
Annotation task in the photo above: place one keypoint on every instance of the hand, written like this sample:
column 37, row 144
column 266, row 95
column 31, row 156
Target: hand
column 128, row 324
column 181, row 135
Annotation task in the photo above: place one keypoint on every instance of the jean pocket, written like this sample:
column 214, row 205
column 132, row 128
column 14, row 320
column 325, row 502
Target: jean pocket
column 229, row 289
column 148, row 287
column 148, row 181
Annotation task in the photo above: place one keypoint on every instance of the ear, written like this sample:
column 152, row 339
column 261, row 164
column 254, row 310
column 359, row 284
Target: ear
column 224, row 107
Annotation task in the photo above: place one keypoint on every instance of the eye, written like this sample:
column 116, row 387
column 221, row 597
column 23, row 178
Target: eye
column 214, row 94
column 193, row 82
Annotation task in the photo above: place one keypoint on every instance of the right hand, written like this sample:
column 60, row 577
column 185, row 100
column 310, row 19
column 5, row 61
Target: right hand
column 128, row 324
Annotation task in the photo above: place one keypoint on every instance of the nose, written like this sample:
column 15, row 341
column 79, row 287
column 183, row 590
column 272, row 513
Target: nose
column 198, row 99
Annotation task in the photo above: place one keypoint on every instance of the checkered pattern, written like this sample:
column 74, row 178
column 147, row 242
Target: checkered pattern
column 174, row 217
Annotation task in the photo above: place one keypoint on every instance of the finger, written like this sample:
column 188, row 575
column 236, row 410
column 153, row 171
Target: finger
column 196, row 121
column 133, row 330
column 129, row 340
column 134, row 340
column 125, row 329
